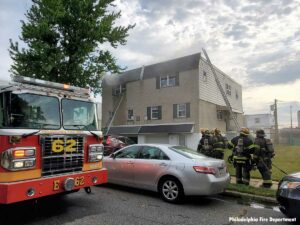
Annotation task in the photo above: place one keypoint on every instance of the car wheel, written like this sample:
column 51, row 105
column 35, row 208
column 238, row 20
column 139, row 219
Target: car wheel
column 171, row 190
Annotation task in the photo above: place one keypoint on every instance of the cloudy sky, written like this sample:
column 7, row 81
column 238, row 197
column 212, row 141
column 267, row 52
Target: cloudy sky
column 257, row 43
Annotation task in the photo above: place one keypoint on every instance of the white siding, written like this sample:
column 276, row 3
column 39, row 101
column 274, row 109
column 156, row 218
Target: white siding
column 209, row 91
column 259, row 121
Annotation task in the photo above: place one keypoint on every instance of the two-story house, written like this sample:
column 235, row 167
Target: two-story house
column 169, row 102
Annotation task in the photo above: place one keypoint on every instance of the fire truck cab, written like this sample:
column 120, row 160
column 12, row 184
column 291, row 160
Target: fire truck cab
column 50, row 141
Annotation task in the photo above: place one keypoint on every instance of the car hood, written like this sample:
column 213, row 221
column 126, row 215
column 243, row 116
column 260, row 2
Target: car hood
column 295, row 175
column 292, row 177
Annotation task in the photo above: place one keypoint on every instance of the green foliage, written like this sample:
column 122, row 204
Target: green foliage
column 252, row 190
column 286, row 158
column 66, row 39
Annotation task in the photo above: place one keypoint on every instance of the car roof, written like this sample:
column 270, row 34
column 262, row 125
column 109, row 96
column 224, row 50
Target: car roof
column 156, row 145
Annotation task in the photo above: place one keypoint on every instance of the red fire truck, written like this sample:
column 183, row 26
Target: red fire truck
column 49, row 140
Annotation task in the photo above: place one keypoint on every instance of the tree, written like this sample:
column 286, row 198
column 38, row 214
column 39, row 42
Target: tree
column 65, row 42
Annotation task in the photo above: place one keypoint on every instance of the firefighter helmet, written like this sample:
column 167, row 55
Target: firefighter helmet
column 260, row 133
column 217, row 131
column 244, row 131
column 207, row 132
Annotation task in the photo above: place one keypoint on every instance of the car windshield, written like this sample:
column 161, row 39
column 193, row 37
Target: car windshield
column 78, row 115
column 29, row 111
column 187, row 152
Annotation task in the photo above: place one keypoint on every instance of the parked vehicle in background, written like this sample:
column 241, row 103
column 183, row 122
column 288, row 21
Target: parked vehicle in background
column 173, row 171
column 113, row 143
column 50, row 140
column 288, row 195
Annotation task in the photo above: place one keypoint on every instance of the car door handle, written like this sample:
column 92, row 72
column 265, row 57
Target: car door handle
column 163, row 164
column 130, row 162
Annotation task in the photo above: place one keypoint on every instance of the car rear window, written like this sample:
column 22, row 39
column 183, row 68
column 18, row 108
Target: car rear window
column 187, row 152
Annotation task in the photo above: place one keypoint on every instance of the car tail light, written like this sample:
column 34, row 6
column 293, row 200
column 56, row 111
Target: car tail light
column 204, row 169
column 289, row 185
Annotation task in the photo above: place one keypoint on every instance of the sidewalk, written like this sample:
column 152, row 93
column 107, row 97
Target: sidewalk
column 256, row 183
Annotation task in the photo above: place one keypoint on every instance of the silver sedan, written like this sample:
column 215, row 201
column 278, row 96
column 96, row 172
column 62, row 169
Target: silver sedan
column 173, row 171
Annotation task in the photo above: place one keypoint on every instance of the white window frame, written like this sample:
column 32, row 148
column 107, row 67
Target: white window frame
column 219, row 115
column 154, row 110
column 228, row 89
column 130, row 116
column 168, row 83
column 181, row 108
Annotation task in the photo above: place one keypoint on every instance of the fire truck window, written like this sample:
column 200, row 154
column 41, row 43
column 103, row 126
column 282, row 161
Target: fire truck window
column 1, row 111
column 78, row 115
column 34, row 111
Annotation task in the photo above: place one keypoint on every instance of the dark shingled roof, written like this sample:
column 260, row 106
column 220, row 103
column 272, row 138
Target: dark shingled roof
column 124, row 130
column 164, row 68
column 173, row 128
column 147, row 129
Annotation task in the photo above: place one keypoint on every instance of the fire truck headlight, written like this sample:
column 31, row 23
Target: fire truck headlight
column 95, row 153
column 18, row 158
column 18, row 164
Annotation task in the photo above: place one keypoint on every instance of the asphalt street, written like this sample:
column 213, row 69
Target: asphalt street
column 115, row 205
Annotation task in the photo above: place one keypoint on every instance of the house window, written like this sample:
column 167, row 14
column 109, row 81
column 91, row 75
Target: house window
column 118, row 90
column 219, row 115
column 154, row 113
column 228, row 89
column 257, row 120
column 204, row 76
column 236, row 94
column 110, row 114
column 168, row 81
column 181, row 110
column 130, row 115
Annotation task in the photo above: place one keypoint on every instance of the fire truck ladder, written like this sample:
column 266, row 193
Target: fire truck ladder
column 232, row 115
column 114, row 114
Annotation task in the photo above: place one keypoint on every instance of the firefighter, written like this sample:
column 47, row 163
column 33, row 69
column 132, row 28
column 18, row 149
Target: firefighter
column 219, row 144
column 202, row 134
column 263, row 154
column 205, row 144
column 243, row 147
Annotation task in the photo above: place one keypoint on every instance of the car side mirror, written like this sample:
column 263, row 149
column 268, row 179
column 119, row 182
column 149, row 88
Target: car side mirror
column 113, row 155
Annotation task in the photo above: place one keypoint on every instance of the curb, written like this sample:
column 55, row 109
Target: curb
column 237, row 194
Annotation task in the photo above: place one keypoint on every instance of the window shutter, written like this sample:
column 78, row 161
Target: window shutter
column 177, row 79
column 148, row 113
column 188, row 111
column 159, row 112
column 174, row 111
column 157, row 82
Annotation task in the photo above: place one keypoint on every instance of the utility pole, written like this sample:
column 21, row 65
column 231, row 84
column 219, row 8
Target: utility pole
column 291, row 107
column 276, row 139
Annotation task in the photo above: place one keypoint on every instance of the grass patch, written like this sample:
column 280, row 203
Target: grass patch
column 286, row 158
column 252, row 190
